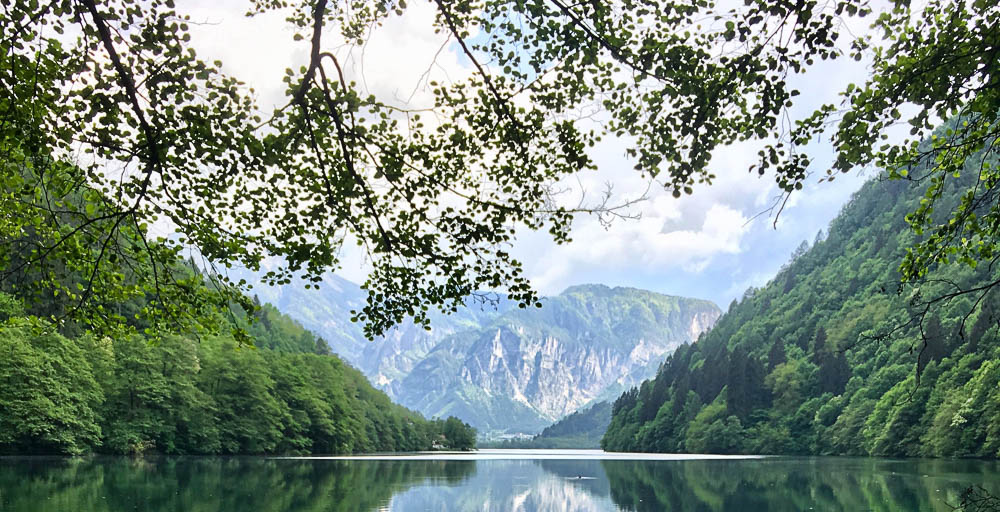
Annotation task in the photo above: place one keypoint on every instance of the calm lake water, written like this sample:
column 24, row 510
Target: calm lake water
column 488, row 480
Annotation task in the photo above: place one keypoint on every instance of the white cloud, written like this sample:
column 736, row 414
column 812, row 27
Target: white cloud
column 649, row 243
column 698, row 245
column 396, row 61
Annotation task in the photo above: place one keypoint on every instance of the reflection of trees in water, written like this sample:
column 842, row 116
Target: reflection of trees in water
column 204, row 484
column 795, row 484
column 107, row 484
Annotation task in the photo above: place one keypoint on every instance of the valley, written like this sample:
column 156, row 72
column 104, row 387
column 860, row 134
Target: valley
column 505, row 370
column 496, row 255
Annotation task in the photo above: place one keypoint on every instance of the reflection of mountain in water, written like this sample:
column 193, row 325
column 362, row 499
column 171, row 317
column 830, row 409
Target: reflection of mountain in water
column 595, row 480
column 488, row 484
column 774, row 484
column 518, row 485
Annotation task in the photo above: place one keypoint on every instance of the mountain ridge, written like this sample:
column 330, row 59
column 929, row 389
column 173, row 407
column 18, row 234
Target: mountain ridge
column 501, row 368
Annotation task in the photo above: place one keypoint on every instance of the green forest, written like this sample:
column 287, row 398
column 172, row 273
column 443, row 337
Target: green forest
column 834, row 356
column 182, row 395
column 252, row 382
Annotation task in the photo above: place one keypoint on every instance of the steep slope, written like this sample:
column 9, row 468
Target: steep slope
column 528, row 368
column 182, row 395
column 326, row 311
column 502, row 368
column 582, row 429
column 824, row 359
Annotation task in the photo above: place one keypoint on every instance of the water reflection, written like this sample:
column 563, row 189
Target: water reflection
column 521, row 485
column 213, row 484
column 826, row 483
column 487, row 482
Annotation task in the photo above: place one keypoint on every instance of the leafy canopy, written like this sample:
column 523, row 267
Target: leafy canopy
column 435, row 196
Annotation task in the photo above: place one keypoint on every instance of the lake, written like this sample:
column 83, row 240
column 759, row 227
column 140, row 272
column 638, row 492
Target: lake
column 488, row 480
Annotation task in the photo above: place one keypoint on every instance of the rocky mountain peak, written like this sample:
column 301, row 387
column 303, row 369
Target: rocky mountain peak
column 506, row 369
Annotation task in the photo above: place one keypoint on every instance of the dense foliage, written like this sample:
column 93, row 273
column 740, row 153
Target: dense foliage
column 434, row 191
column 582, row 429
column 832, row 356
column 81, row 376
column 184, row 395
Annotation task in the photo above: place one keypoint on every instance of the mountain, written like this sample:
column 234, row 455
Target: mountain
column 326, row 311
column 528, row 368
column 832, row 356
column 506, row 369
column 582, row 429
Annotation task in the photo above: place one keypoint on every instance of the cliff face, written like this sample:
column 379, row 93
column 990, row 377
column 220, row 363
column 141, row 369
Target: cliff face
column 541, row 364
column 391, row 358
column 505, row 369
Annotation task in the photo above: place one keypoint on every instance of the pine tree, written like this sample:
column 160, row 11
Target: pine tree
column 819, row 349
column 322, row 347
column 777, row 354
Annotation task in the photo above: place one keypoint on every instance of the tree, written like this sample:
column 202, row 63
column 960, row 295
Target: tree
column 936, row 345
column 322, row 347
column 250, row 415
column 152, row 401
column 776, row 355
column 48, row 396
column 740, row 383
column 458, row 435
column 790, row 383
column 436, row 204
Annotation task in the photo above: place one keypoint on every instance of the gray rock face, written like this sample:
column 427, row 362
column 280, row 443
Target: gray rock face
column 506, row 369
column 528, row 368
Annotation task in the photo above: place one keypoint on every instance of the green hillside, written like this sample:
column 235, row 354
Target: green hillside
column 181, row 395
column 109, row 378
column 582, row 429
column 832, row 356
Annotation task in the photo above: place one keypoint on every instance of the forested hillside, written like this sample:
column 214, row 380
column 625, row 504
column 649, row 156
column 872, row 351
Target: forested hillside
column 180, row 394
column 832, row 356
column 111, row 379
column 582, row 429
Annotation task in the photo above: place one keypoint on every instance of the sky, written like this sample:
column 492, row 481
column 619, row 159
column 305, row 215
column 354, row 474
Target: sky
column 712, row 244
